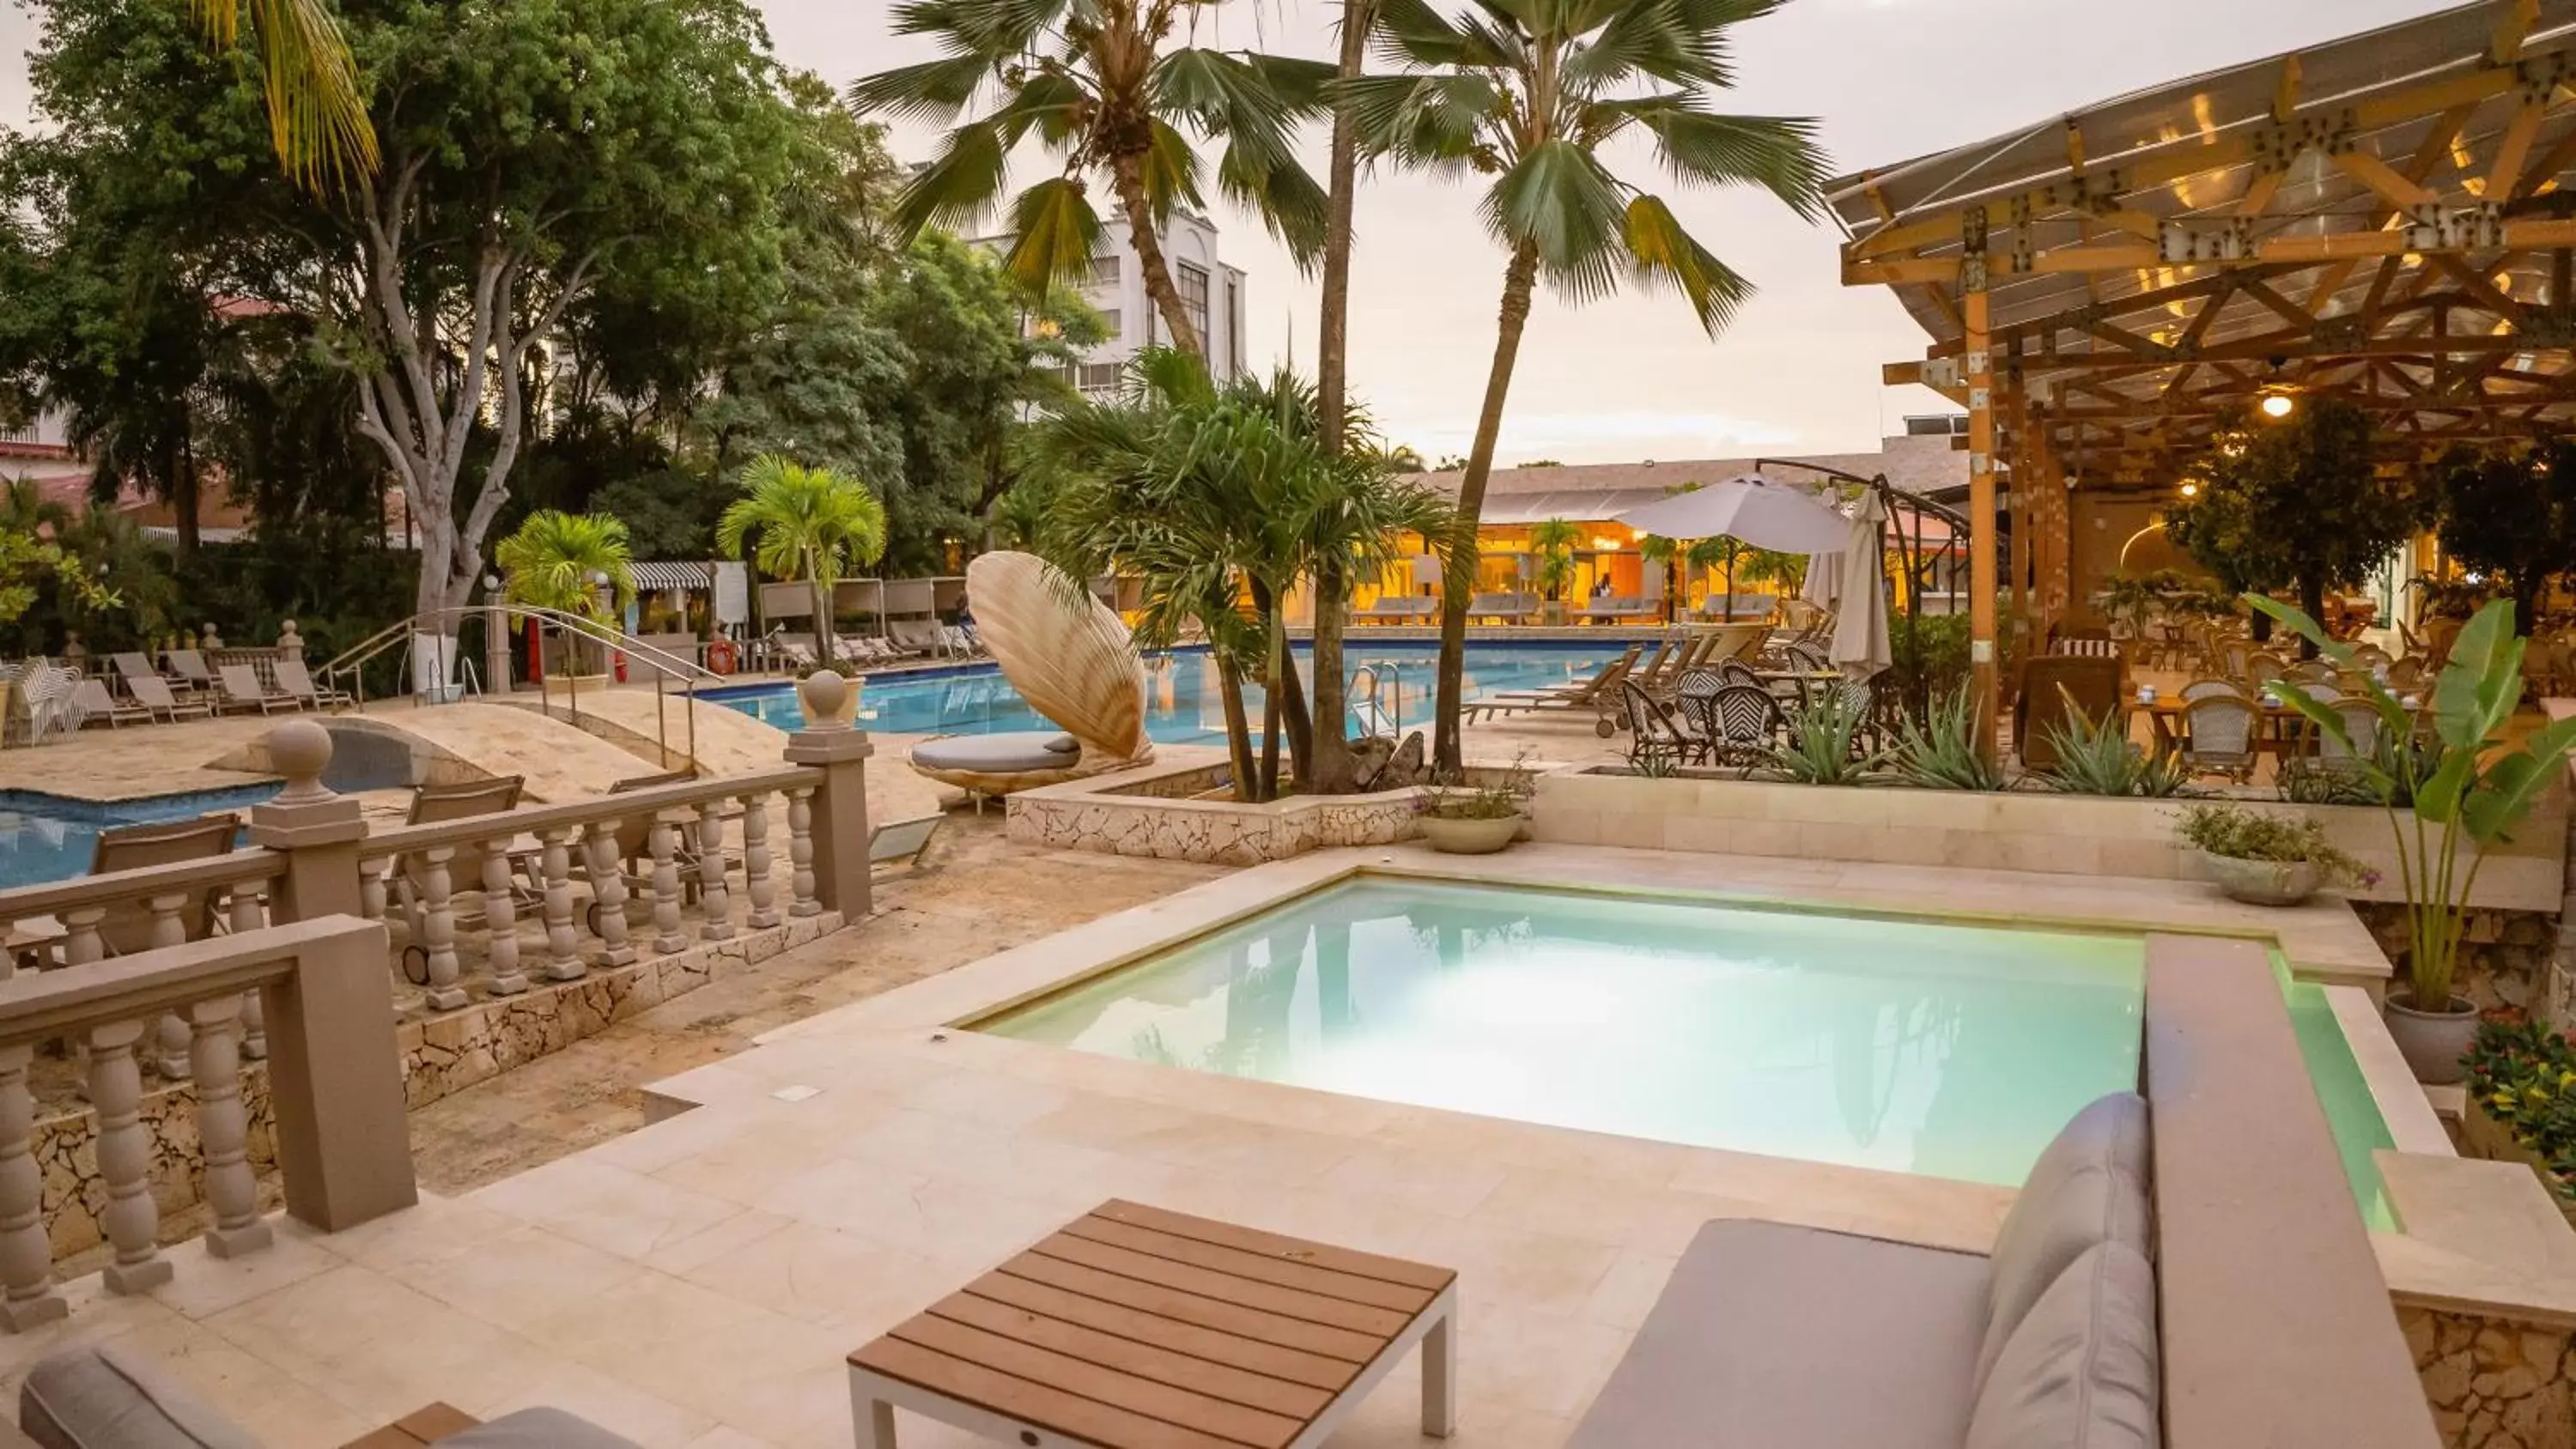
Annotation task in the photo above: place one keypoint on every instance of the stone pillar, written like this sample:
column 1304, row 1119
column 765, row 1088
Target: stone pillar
column 840, row 831
column 336, row 1084
column 318, row 831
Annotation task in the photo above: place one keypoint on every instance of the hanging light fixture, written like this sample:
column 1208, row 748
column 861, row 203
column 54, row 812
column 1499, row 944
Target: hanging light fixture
column 2279, row 404
column 2191, row 490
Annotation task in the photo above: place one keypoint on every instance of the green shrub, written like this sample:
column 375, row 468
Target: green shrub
column 2242, row 834
column 2524, row 1077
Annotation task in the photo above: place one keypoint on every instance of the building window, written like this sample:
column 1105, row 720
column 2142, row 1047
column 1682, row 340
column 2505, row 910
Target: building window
column 1194, row 299
column 1100, row 377
column 1104, row 271
column 1234, row 325
column 1110, row 321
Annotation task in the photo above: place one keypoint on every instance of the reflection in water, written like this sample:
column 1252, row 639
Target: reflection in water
column 1908, row 1045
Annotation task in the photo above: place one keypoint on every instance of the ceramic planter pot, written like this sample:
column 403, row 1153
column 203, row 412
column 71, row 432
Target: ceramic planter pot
column 2263, row 882
column 2433, row 1041
column 1470, row 837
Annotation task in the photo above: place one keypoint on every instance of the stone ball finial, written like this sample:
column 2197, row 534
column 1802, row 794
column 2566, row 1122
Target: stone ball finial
column 823, row 693
column 288, row 641
column 211, row 639
column 300, row 750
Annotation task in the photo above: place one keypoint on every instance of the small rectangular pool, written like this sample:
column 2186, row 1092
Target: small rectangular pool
column 1912, row 1046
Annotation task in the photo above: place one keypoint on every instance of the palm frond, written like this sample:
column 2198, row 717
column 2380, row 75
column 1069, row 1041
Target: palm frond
column 1428, row 121
column 1058, row 230
column 989, row 28
column 1171, row 171
column 934, row 90
column 1289, row 201
column 317, row 115
column 958, row 185
column 1299, row 83
column 1414, row 32
column 1661, row 253
column 1776, row 153
column 1558, row 199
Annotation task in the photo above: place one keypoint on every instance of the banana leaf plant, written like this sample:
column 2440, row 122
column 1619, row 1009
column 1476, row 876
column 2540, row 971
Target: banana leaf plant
column 2478, row 789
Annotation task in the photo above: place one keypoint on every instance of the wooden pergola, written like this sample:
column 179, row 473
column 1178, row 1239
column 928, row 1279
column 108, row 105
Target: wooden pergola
column 2379, row 219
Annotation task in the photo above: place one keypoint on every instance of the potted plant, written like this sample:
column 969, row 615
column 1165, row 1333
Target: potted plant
column 1553, row 543
column 848, row 712
column 2267, row 860
column 1476, row 819
column 2468, row 793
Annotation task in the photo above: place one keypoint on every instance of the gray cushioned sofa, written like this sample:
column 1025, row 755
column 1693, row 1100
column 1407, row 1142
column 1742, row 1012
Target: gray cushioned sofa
column 108, row 1397
column 1778, row 1337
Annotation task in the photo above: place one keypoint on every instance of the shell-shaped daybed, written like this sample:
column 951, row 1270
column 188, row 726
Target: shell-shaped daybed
column 1071, row 658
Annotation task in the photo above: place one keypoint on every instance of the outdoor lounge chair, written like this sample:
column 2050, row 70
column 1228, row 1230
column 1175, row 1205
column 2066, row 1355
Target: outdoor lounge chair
column 154, row 695
column 1397, row 609
column 187, row 668
column 431, row 804
column 1612, row 610
column 297, row 683
column 1501, row 608
column 100, row 707
column 1787, row 1337
column 905, row 841
column 243, row 691
column 115, row 1396
column 1582, row 693
column 133, row 665
column 1074, row 663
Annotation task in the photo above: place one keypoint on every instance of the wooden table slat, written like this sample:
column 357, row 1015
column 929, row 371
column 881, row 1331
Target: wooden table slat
column 1099, row 1383
column 1028, row 1402
column 1275, row 1245
column 425, row 1425
column 1128, row 1356
column 1253, row 1323
column 1380, row 1323
column 1313, row 1370
column 1260, row 1267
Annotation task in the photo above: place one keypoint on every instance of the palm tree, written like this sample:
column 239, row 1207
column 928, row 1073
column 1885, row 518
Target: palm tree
column 811, row 523
column 317, row 120
column 1553, row 542
column 1098, row 86
column 1530, row 96
column 564, row 561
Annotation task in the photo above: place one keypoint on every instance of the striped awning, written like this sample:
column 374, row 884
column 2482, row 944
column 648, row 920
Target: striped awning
column 652, row 576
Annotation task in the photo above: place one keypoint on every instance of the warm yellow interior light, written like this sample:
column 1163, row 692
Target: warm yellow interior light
column 2278, row 405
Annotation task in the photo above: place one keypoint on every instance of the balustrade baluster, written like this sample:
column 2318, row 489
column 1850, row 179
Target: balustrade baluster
column 26, row 1252
column 223, row 1127
column 82, row 941
column 711, row 873
column 372, row 888
column 756, row 880
column 608, row 893
column 249, row 904
column 125, row 1159
column 800, row 852
column 563, row 946
column 501, row 921
column 666, row 887
column 170, row 928
column 438, row 928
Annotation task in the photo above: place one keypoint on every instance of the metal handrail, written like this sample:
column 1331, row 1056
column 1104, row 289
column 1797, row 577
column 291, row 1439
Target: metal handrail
column 1378, row 675
column 349, row 664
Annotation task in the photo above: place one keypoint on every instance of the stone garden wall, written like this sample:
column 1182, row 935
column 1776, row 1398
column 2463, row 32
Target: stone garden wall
column 2494, row 1383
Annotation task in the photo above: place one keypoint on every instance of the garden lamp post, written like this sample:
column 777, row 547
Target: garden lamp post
column 496, row 638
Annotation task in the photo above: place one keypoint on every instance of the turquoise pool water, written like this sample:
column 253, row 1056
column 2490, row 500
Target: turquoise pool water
column 2351, row 1112
column 1913, row 1046
column 49, row 837
column 1181, row 704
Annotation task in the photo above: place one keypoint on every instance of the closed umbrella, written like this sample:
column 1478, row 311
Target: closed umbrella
column 1754, row 509
column 1860, row 645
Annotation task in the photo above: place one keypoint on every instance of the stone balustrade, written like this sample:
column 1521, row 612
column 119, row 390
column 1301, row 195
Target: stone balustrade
column 334, row 1077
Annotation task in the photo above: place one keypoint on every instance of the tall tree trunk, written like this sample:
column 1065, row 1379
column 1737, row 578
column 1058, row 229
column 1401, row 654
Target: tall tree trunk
column 2312, row 598
column 823, row 640
column 1458, row 568
column 1329, row 772
column 1238, row 727
column 1127, row 178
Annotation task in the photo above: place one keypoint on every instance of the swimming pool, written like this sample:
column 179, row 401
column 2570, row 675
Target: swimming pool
column 1904, row 1044
column 50, row 837
column 1180, row 696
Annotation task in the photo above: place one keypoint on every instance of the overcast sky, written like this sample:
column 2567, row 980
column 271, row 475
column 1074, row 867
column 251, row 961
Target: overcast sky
column 1633, row 377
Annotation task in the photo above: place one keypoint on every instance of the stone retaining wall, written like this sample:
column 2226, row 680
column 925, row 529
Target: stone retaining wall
column 442, row 1055
column 2494, row 1383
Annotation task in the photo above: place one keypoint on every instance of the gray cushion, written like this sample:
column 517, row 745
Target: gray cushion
column 1064, row 745
column 2081, row 1371
column 992, row 754
column 106, row 1397
column 537, row 1429
column 1777, row 1337
column 2081, row 1192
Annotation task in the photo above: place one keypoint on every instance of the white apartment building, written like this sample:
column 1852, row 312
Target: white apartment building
column 1211, row 291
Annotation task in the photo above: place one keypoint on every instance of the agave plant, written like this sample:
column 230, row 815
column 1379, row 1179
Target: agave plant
column 2095, row 757
column 1941, row 752
column 2476, row 792
column 1824, row 747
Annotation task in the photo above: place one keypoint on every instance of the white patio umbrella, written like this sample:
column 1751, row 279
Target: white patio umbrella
column 1754, row 509
column 1860, row 645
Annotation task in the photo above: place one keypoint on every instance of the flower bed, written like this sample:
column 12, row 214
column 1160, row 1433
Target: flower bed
column 2522, row 1105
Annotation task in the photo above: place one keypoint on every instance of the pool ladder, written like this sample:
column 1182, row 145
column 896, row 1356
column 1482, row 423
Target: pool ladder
column 1376, row 719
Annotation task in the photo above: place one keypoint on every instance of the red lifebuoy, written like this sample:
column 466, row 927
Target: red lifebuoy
column 720, row 657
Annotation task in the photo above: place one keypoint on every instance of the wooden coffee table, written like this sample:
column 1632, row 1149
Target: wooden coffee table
column 1137, row 1328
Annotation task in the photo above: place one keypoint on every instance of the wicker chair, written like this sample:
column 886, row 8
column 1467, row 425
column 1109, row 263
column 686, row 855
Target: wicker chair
column 2213, row 688
column 2219, row 736
column 1655, row 733
column 1741, row 722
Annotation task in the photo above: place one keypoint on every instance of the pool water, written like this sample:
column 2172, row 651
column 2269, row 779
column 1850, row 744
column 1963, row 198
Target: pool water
column 2351, row 1112
column 49, row 837
column 1180, row 696
column 1912, row 1046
